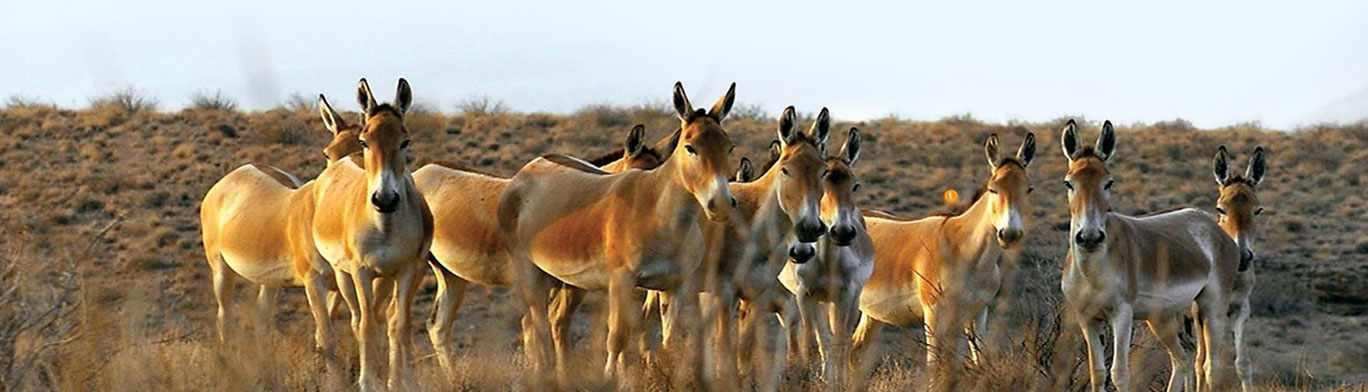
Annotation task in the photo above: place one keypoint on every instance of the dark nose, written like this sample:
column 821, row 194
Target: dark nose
column 385, row 202
column 1246, row 258
column 811, row 230
column 733, row 201
column 1090, row 239
column 801, row 253
column 843, row 234
column 1009, row 236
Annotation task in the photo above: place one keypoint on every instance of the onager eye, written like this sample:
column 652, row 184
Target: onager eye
column 1220, row 210
column 1030, row 189
column 784, row 171
column 1109, row 184
column 404, row 144
column 855, row 188
column 1258, row 211
column 363, row 144
column 691, row 150
column 1068, row 184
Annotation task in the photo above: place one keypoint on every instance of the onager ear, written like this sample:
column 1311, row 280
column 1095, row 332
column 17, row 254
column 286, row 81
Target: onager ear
column 1106, row 142
column 403, row 98
column 331, row 120
column 723, row 105
column 634, row 144
column 1068, row 139
column 745, row 170
column 365, row 98
column 1027, row 151
column 681, row 103
column 776, row 150
column 1257, row 166
column 851, row 150
column 786, row 120
column 990, row 149
column 821, row 128
column 1220, row 165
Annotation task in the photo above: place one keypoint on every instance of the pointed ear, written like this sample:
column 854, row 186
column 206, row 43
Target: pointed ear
column 776, row 150
column 365, row 98
column 635, row 144
column 990, row 149
column 821, row 128
column 724, row 104
column 1106, row 141
column 1027, row 151
column 1257, row 166
column 786, row 120
column 681, row 102
column 851, row 150
column 745, row 171
column 331, row 120
column 1220, row 165
column 1068, row 139
column 403, row 98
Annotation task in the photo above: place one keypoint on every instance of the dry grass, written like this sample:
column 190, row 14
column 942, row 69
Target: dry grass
column 136, row 309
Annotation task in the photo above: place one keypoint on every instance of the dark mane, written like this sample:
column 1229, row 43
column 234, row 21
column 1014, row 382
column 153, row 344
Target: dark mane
column 278, row 175
column 876, row 213
column 699, row 113
column 574, row 163
column 610, row 157
column 1238, row 179
column 1011, row 160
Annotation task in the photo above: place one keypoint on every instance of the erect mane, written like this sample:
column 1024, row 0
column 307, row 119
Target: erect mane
column 384, row 107
column 1084, row 152
column 610, row 157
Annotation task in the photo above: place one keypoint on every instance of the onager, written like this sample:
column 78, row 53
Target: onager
column 1121, row 268
column 844, row 262
column 255, row 223
column 1237, row 206
column 467, row 245
column 946, row 271
column 569, row 221
column 374, row 228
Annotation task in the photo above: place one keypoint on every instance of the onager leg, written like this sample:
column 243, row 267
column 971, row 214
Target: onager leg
column 266, row 299
column 533, row 286
column 621, row 323
column 365, row 337
column 865, row 337
column 316, row 290
column 567, row 299
column 1241, row 314
column 450, row 294
column 977, row 335
column 1166, row 329
column 1097, row 367
column 400, row 338
column 223, row 292
column 347, row 290
column 1121, row 321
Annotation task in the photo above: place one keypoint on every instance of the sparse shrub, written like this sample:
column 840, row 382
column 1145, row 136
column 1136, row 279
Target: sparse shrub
column 127, row 101
column 300, row 103
column 481, row 105
column 216, row 101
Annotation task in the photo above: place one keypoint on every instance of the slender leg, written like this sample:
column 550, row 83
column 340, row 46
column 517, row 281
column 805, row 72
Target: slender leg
column 1218, row 366
column 567, row 299
column 335, row 305
column 223, row 292
column 824, row 346
column 347, row 290
column 266, row 299
column 807, row 309
column 1241, row 314
column 400, row 338
column 621, row 322
column 865, row 337
column 1166, row 331
column 533, row 285
column 724, row 353
column 1200, row 362
column 843, row 315
column 1097, row 367
column 450, row 294
column 783, row 341
column 748, row 320
column 365, row 300
column 1121, row 321
column 316, row 290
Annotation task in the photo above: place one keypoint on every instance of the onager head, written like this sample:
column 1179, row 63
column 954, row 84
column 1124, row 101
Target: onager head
column 703, row 153
column 1238, row 203
column 800, row 166
column 839, row 185
column 1008, row 189
column 386, row 141
column 1089, row 184
column 346, row 137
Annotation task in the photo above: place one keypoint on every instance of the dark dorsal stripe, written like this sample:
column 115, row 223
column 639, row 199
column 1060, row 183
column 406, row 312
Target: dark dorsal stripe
column 276, row 174
column 574, row 163
column 464, row 168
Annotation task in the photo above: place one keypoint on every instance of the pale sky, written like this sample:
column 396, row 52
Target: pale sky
column 1216, row 63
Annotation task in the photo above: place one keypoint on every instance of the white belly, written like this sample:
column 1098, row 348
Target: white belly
column 272, row 273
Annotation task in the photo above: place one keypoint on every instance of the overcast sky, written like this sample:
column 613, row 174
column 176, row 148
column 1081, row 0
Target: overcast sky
column 1212, row 62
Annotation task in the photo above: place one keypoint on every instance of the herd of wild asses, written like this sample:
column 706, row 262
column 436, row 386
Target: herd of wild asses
column 676, row 236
